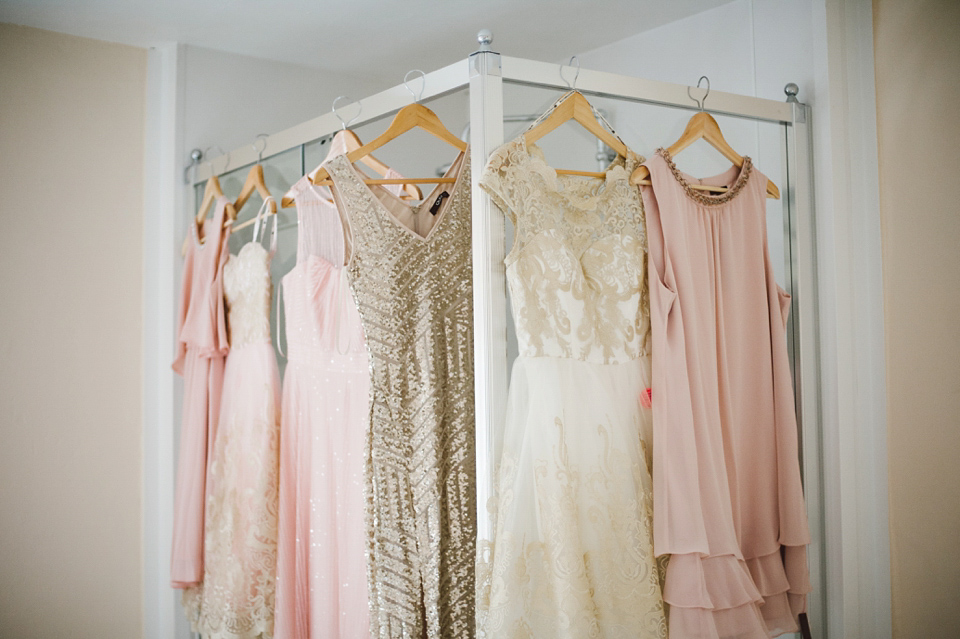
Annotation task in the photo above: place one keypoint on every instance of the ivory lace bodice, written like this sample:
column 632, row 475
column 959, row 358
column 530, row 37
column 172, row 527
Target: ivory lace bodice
column 577, row 270
column 247, row 289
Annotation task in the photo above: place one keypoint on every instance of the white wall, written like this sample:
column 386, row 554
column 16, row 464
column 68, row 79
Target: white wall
column 71, row 210
column 740, row 47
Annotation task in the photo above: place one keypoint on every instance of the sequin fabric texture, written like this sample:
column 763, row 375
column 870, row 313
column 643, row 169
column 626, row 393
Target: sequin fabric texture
column 414, row 292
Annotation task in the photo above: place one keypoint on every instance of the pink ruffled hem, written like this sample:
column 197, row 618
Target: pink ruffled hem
column 724, row 597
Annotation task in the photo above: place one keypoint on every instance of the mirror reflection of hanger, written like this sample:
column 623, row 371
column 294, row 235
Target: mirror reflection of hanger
column 702, row 126
column 575, row 106
column 409, row 117
column 255, row 183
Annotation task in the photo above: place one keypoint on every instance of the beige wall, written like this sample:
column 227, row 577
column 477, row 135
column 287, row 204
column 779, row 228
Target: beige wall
column 918, row 117
column 71, row 176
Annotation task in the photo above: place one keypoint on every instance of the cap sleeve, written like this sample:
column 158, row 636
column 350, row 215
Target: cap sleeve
column 498, row 179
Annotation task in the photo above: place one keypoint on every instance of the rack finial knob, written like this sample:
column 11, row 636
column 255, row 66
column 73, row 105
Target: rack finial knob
column 791, row 90
column 485, row 38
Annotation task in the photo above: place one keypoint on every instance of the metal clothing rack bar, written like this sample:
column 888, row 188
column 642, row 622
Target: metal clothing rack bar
column 436, row 84
column 484, row 74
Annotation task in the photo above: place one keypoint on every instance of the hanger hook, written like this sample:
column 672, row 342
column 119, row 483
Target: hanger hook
column 226, row 164
column 417, row 97
column 571, row 85
column 261, row 137
column 345, row 123
column 702, row 100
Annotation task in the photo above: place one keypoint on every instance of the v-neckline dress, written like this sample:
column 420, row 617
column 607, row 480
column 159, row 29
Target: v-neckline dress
column 410, row 270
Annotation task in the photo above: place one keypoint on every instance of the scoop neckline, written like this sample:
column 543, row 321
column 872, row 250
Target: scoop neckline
column 743, row 176
column 602, row 182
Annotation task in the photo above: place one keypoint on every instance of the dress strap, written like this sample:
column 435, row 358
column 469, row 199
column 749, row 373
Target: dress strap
column 256, row 226
column 279, row 301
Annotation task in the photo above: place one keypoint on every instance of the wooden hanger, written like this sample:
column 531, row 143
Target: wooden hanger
column 352, row 142
column 702, row 126
column 210, row 194
column 409, row 117
column 576, row 107
column 254, row 183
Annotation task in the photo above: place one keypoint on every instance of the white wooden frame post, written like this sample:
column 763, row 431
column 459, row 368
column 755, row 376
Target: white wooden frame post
column 484, row 73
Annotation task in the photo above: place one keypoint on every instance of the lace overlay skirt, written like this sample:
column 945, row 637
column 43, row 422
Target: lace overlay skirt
column 572, row 554
column 236, row 598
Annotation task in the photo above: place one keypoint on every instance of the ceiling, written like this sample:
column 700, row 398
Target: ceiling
column 373, row 37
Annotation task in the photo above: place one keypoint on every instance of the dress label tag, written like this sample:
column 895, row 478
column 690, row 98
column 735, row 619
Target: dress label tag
column 436, row 204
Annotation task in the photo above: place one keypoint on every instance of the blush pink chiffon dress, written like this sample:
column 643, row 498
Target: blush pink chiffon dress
column 202, row 345
column 728, row 501
column 322, row 571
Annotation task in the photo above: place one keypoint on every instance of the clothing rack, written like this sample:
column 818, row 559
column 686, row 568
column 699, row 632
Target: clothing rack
column 483, row 74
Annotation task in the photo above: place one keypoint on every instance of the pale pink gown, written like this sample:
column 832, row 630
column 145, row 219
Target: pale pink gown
column 728, row 502
column 236, row 598
column 202, row 345
column 322, row 572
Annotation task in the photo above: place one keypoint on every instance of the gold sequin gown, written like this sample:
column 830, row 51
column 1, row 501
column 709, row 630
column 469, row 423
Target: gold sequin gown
column 410, row 270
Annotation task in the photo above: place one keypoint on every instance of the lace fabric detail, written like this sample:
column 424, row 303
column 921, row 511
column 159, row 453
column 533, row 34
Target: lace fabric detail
column 704, row 197
column 247, row 289
column 579, row 582
column 236, row 598
column 577, row 270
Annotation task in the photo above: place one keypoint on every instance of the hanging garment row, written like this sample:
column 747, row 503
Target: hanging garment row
column 647, row 478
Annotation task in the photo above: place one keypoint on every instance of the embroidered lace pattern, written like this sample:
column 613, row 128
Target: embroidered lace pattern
column 247, row 289
column 577, row 269
column 572, row 552
column 595, row 594
column 236, row 598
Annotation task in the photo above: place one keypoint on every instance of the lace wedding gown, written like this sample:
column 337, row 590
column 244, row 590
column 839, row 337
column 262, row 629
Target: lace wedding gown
column 572, row 553
column 236, row 598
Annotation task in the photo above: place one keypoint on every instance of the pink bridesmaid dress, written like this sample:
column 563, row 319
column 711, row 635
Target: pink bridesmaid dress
column 236, row 598
column 322, row 572
column 202, row 345
column 728, row 502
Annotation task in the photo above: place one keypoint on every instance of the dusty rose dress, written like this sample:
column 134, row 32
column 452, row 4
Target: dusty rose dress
column 322, row 572
column 728, row 502
column 202, row 345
